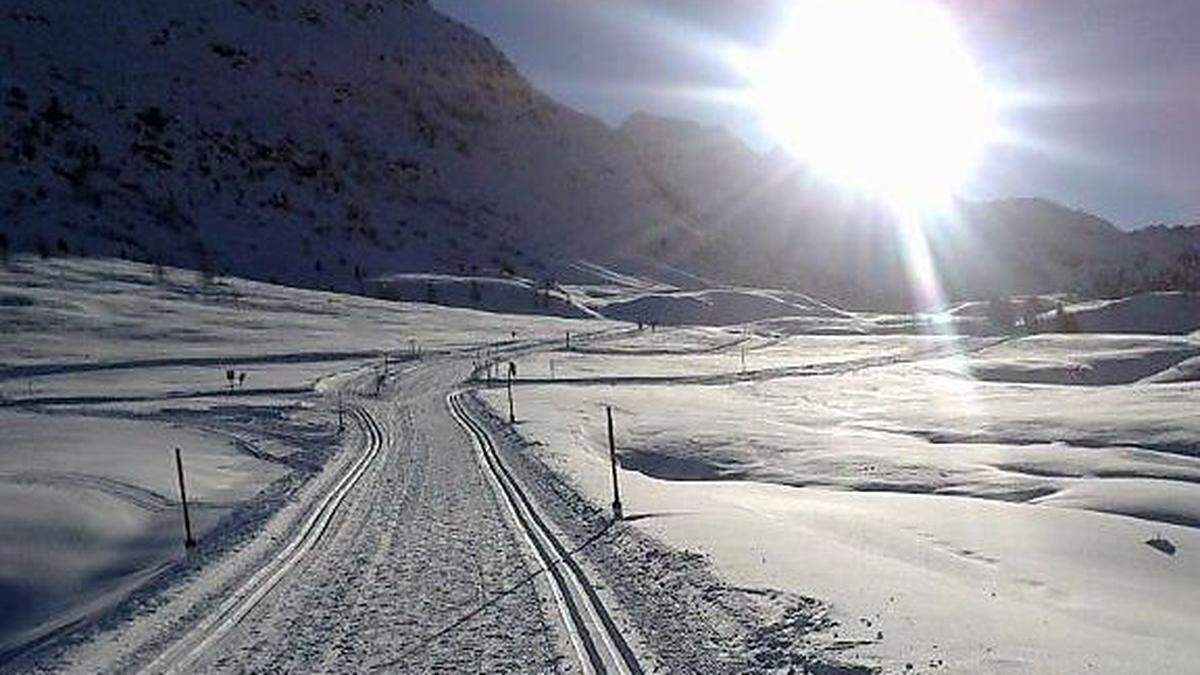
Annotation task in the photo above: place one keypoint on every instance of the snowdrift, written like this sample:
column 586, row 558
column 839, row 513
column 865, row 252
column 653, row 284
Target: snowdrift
column 1083, row 359
column 492, row 294
column 1173, row 313
column 717, row 307
column 1187, row 370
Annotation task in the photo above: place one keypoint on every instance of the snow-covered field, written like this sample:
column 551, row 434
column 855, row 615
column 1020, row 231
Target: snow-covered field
column 104, row 370
column 974, row 505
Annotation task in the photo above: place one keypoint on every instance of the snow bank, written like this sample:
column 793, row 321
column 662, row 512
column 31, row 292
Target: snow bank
column 717, row 307
column 1081, row 360
column 1187, row 370
column 1172, row 313
column 491, row 294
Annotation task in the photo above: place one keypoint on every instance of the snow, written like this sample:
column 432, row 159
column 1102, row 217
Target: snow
column 509, row 296
column 1083, row 359
column 104, row 370
column 1159, row 313
column 959, row 522
column 92, row 506
column 320, row 146
column 973, row 504
column 716, row 307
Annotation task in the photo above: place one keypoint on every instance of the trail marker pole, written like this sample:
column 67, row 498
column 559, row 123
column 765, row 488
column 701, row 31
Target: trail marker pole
column 568, row 340
column 341, row 427
column 512, row 415
column 612, row 458
column 188, row 542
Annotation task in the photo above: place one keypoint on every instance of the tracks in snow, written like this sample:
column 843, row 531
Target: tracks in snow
column 598, row 643
column 181, row 655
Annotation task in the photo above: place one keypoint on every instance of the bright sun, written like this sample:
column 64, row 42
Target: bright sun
column 879, row 95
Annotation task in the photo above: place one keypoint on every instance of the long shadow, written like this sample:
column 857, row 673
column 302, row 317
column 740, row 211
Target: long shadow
column 665, row 514
column 13, row 372
column 466, row 618
column 145, row 398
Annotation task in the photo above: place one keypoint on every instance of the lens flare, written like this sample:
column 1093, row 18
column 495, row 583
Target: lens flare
column 878, row 95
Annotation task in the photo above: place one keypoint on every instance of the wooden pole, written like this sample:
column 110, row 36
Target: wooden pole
column 188, row 542
column 612, row 458
column 512, row 415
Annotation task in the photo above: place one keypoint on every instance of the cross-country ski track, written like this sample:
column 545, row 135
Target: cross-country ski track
column 598, row 643
column 422, row 551
column 183, row 653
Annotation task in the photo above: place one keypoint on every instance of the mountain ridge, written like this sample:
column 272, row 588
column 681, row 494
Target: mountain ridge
column 324, row 143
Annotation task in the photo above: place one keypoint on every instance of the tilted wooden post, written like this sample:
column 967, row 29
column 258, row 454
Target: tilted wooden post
column 612, row 458
column 188, row 542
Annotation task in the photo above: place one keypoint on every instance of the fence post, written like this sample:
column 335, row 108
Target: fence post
column 188, row 542
column 612, row 458
column 512, row 415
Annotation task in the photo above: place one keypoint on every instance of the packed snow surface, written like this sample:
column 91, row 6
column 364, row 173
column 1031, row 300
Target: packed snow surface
column 106, row 367
column 967, row 504
column 971, row 504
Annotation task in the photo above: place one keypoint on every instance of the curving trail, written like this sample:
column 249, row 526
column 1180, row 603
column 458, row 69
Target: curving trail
column 409, row 564
column 180, row 656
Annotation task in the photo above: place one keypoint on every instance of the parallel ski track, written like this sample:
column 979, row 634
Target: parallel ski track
column 598, row 643
column 181, row 655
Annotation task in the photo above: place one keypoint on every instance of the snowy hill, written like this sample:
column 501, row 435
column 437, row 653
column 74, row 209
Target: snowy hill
column 334, row 144
column 790, row 229
column 317, row 143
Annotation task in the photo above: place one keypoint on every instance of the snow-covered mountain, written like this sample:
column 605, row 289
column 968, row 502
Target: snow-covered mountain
column 789, row 228
column 325, row 143
column 315, row 142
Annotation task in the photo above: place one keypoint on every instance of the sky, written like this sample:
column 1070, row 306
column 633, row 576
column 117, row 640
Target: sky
column 1107, row 92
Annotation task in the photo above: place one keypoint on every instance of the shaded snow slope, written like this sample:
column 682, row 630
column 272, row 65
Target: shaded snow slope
column 326, row 143
column 1164, row 313
column 510, row 296
column 716, row 307
column 1082, row 359
column 780, row 225
column 314, row 143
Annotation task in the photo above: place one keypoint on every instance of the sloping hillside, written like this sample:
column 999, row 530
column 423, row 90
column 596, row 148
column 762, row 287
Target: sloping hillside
column 326, row 143
column 314, row 142
column 784, row 226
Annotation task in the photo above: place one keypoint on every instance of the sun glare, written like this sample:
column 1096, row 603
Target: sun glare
column 878, row 95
